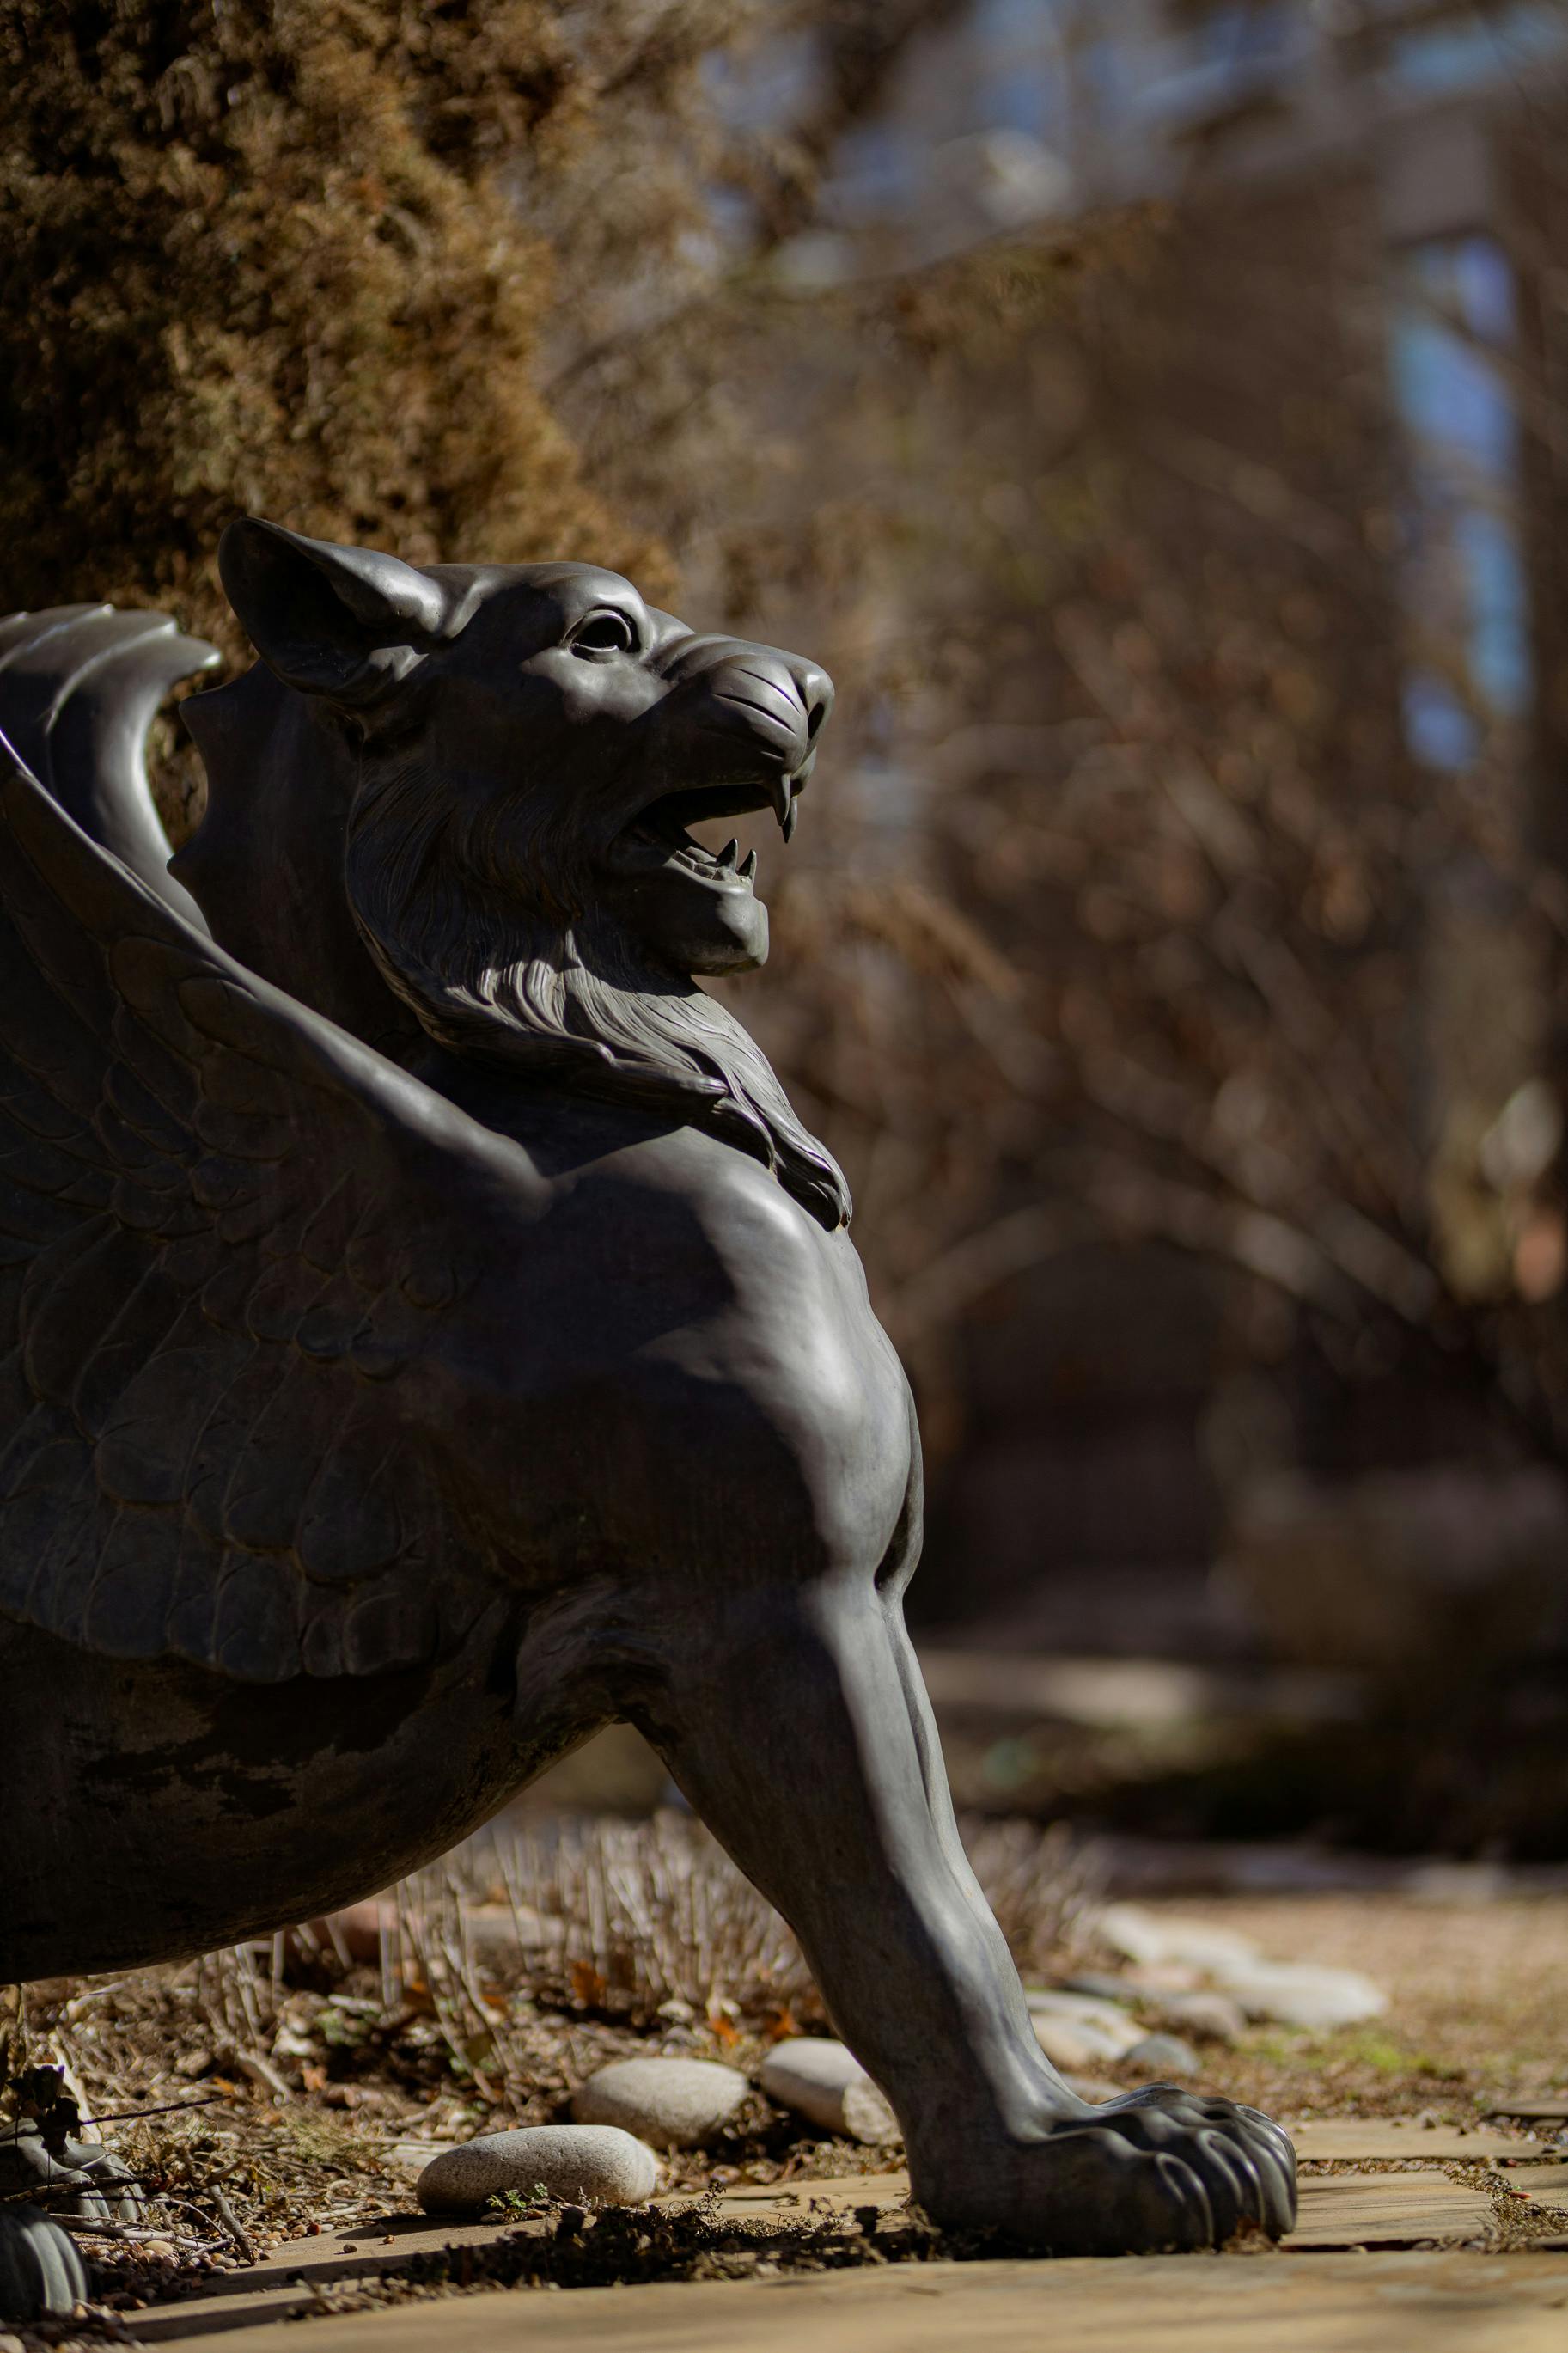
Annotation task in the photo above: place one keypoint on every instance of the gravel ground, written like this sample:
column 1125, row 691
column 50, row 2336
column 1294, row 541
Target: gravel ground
column 1477, row 2008
column 295, row 2085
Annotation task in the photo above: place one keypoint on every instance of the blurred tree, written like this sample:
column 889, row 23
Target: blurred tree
column 1130, row 913
column 1119, row 914
column 301, row 255
column 261, row 254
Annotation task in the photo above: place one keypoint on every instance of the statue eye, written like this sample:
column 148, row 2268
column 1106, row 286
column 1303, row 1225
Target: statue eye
column 607, row 632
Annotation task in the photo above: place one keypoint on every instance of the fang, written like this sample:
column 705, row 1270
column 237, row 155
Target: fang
column 729, row 854
column 749, row 870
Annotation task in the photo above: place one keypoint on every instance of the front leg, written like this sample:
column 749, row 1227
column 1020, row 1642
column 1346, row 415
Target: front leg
column 799, row 1728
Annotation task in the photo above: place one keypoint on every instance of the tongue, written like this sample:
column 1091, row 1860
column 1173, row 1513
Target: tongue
column 662, row 822
column 704, row 801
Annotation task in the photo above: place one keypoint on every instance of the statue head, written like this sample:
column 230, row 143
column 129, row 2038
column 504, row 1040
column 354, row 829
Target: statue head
column 470, row 788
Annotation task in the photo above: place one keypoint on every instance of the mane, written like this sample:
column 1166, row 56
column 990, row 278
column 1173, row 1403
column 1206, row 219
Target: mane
column 481, row 922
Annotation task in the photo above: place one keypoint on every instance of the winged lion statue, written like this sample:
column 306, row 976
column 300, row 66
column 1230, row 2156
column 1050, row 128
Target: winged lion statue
column 428, row 1333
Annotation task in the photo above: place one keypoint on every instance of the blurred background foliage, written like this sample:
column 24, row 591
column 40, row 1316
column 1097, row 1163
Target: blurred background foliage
column 1152, row 410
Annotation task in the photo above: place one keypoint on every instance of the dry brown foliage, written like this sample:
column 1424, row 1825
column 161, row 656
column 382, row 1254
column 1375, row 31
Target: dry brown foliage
column 264, row 257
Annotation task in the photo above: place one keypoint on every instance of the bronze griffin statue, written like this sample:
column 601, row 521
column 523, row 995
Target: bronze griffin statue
column 429, row 1334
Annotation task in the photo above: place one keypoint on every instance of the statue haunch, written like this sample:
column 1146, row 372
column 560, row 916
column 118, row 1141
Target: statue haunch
column 429, row 1334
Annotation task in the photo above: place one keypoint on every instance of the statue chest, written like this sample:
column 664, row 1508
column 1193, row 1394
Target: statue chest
column 703, row 1371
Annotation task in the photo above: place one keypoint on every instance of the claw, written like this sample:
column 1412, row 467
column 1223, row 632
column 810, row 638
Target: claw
column 1240, row 2160
column 1232, row 2162
column 1279, row 2184
column 1272, row 2147
column 1189, row 2195
column 1150, row 2172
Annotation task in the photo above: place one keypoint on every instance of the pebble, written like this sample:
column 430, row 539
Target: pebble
column 1070, row 2045
column 1164, row 1976
column 1145, row 1936
column 671, row 2103
column 1300, row 1993
column 1107, row 2028
column 590, row 2164
column 1162, row 2055
column 1291, row 1993
column 825, row 2083
column 498, row 1932
column 1099, row 1984
column 1212, row 2017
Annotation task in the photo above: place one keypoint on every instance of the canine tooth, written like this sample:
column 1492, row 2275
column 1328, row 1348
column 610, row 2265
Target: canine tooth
column 779, row 787
column 729, row 854
column 786, row 822
column 749, row 870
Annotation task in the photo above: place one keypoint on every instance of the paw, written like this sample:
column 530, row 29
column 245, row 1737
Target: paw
column 1159, row 2170
column 112, row 2185
column 1186, row 2172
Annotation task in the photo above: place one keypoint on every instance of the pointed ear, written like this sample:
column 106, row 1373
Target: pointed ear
column 343, row 622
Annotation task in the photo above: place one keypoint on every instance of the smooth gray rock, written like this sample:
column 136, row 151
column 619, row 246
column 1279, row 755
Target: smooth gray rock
column 824, row 2082
column 1306, row 1994
column 1164, row 2055
column 589, row 2164
column 1099, row 1985
column 1151, row 1939
column 1071, row 2045
column 1294, row 1993
column 1106, row 2028
column 1212, row 2017
column 670, row 2103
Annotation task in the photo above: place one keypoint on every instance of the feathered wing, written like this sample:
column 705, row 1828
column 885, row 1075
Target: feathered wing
column 231, row 1237
column 79, row 686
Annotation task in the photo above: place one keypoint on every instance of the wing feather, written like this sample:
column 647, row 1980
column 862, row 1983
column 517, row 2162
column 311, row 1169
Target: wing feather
column 79, row 687
column 227, row 1233
column 256, row 1623
column 133, row 1590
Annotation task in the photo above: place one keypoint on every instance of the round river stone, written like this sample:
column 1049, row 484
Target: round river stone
column 1165, row 2055
column 672, row 2102
column 825, row 2083
column 590, row 2164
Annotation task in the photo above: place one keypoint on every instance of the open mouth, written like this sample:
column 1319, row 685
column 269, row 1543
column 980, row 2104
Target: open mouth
column 658, row 832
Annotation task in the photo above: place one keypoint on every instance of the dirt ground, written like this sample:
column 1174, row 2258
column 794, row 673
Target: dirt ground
column 1476, row 2013
column 1477, row 2003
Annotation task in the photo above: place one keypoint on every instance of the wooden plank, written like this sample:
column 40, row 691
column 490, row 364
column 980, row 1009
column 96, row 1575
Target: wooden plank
column 1337, row 2211
column 1387, row 2210
column 287, row 2281
column 1286, row 2304
column 792, row 2201
column 1359, row 2139
column 1547, row 2184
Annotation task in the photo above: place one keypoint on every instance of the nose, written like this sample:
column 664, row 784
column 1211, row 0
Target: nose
column 780, row 697
column 814, row 689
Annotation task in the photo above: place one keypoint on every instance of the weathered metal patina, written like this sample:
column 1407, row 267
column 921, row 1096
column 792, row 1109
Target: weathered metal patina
column 430, row 1334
